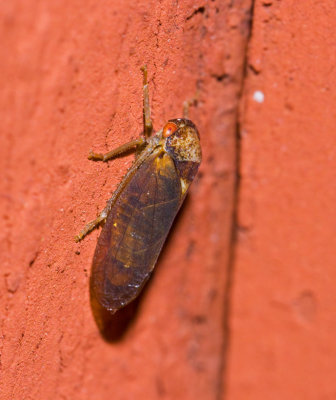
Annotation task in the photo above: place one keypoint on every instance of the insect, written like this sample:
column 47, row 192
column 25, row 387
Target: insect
column 141, row 211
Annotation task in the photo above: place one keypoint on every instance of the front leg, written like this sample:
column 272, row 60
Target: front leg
column 148, row 125
column 105, row 157
column 143, row 148
column 119, row 150
column 188, row 103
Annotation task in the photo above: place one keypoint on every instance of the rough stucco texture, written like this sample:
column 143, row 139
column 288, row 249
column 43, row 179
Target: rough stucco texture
column 249, row 318
column 70, row 82
column 283, row 298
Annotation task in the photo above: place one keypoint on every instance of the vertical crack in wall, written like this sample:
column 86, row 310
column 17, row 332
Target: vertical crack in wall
column 223, row 370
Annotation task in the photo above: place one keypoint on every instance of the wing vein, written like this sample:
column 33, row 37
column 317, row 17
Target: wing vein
column 126, row 227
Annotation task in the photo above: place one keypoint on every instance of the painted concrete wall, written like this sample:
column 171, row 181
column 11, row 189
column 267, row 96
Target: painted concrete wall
column 241, row 305
column 283, row 316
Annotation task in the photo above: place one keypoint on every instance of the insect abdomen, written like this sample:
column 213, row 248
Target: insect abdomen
column 135, row 231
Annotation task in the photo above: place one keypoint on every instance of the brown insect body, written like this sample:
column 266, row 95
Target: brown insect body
column 141, row 211
column 141, row 216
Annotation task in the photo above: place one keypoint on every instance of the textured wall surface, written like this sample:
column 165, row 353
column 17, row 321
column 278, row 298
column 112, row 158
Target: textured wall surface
column 71, row 82
column 283, row 319
column 241, row 305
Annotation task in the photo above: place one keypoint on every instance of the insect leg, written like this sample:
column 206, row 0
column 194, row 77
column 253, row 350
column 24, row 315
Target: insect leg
column 115, row 152
column 98, row 221
column 148, row 126
column 89, row 227
column 103, row 215
column 188, row 103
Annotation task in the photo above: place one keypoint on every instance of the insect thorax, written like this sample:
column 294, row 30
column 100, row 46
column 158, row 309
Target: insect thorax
column 184, row 147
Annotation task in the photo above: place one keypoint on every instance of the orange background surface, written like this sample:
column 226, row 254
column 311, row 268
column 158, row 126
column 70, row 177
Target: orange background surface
column 241, row 305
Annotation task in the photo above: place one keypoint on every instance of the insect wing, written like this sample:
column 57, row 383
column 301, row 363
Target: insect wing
column 134, row 232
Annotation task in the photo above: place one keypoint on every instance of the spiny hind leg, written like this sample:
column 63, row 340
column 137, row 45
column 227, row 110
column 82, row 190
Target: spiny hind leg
column 137, row 144
column 103, row 215
column 96, row 222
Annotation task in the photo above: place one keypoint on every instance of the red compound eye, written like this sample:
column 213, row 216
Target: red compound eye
column 169, row 129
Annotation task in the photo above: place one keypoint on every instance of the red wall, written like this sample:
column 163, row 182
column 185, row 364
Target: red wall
column 283, row 299
column 241, row 304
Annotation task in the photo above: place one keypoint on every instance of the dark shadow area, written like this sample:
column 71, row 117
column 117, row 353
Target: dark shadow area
column 114, row 327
